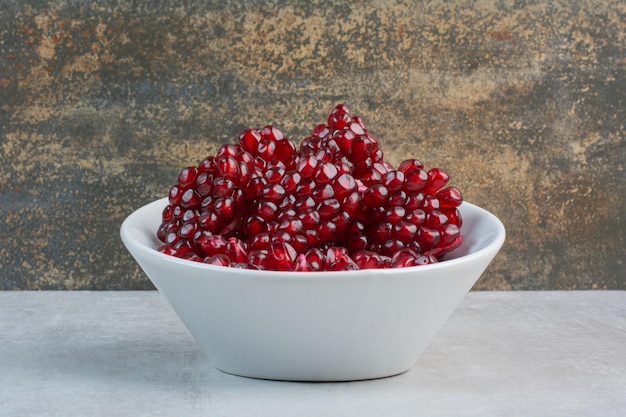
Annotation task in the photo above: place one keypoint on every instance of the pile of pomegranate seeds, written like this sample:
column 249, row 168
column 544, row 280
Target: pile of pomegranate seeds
column 334, row 204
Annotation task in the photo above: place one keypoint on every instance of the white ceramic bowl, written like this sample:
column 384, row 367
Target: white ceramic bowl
column 314, row 326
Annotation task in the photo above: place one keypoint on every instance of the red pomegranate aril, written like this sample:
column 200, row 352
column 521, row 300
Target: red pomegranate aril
column 260, row 240
column 329, row 209
column 310, row 218
column 290, row 181
column 190, row 199
column 394, row 180
column 324, row 173
column 403, row 258
column 223, row 187
column 249, row 140
column 225, row 208
column 228, row 167
column 352, row 203
column 430, row 203
column 366, row 259
column 267, row 210
column 165, row 229
column 436, row 219
column 323, row 192
column 236, row 250
column 204, row 184
column 211, row 244
column 409, row 165
column 416, row 217
column 188, row 229
column 415, row 180
column 219, row 259
column 454, row 216
column 376, row 195
column 326, row 231
column 306, row 166
column 437, row 178
column 210, row 221
column 168, row 214
column 413, row 201
column 273, row 192
column 392, row 246
column 404, row 231
column 428, row 237
column 343, row 185
column 175, row 195
column 187, row 177
column 394, row 214
column 282, row 256
column 292, row 226
column 397, row 198
column 449, row 197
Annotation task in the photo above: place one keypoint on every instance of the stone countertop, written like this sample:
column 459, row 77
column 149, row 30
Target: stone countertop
column 127, row 354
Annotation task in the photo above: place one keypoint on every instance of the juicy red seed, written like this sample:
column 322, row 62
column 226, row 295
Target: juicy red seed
column 430, row 203
column 394, row 214
column 204, row 183
column 260, row 258
column 266, row 149
column 392, row 246
column 225, row 208
column 324, row 173
column 352, row 203
column 437, row 178
column 415, row 180
column 175, row 195
column 285, row 149
column 323, row 192
column 304, row 203
column 436, row 219
column 227, row 150
column 454, row 216
column 187, row 177
column 236, row 250
column 428, row 237
column 404, row 257
column 260, row 240
column 167, row 214
column 404, row 231
column 273, row 192
column 274, row 175
column 371, row 176
column 254, row 225
column 413, row 201
column 339, row 121
column 209, row 221
column 267, row 210
column 282, row 255
column 190, row 199
column 449, row 234
column 211, row 244
column 272, row 133
column 449, row 197
column 228, row 167
column 410, row 165
column 306, row 166
column 309, row 218
column 208, row 164
column 376, row 195
column 320, row 131
column 398, row 198
column 416, row 217
column 363, row 146
column 329, row 208
column 381, row 232
column 219, row 260
column 188, row 229
column 358, row 242
column 343, row 185
column 326, row 230
column 366, row 259
column 305, row 188
column 189, row 215
column 394, row 180
column 249, row 139
column 223, row 187
column 290, row 181
column 344, row 139
column 292, row 226
column 165, row 229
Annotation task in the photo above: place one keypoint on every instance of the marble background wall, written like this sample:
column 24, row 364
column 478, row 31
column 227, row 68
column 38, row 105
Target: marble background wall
column 103, row 102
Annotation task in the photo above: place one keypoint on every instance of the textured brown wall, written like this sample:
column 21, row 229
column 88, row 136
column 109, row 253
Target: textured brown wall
column 523, row 102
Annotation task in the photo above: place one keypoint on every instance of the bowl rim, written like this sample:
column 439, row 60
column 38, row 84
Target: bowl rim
column 129, row 241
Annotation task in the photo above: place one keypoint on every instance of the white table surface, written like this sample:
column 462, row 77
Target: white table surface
column 127, row 354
